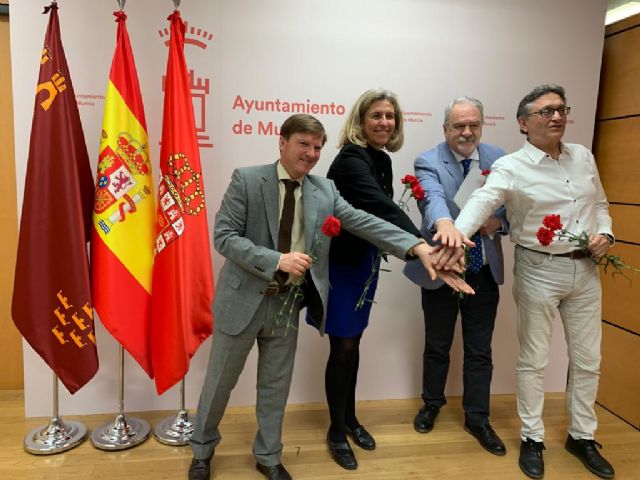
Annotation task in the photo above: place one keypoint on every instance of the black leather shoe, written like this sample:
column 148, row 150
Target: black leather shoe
column 342, row 454
column 200, row 469
column 531, row 462
column 426, row 418
column 488, row 439
column 274, row 472
column 362, row 438
column 587, row 453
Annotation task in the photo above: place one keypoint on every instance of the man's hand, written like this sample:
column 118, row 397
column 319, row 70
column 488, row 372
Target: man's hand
column 295, row 263
column 491, row 226
column 449, row 236
column 598, row 246
column 428, row 256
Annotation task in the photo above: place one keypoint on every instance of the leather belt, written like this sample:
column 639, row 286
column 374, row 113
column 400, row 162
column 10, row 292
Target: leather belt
column 574, row 255
column 274, row 288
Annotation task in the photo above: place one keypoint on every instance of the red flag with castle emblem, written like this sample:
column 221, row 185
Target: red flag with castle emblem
column 52, row 294
column 123, row 232
column 182, row 278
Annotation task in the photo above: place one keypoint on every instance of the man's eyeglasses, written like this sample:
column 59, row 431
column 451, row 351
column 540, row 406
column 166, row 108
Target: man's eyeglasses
column 548, row 112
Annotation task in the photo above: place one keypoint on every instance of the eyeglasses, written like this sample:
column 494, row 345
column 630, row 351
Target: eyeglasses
column 548, row 112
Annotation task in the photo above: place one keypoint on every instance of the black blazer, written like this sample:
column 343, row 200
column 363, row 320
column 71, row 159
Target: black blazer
column 364, row 179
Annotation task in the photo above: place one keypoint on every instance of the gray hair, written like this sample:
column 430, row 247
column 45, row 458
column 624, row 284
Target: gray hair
column 533, row 95
column 464, row 99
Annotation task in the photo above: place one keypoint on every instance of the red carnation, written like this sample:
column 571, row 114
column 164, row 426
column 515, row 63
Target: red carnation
column 417, row 191
column 410, row 180
column 486, row 172
column 545, row 236
column 331, row 226
column 552, row 222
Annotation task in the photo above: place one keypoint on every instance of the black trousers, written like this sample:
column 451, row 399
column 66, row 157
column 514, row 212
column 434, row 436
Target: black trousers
column 478, row 313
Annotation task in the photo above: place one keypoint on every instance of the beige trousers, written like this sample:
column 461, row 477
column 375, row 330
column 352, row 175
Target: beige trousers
column 544, row 284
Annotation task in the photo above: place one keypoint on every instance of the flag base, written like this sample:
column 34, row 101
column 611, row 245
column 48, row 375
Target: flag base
column 56, row 437
column 174, row 430
column 122, row 433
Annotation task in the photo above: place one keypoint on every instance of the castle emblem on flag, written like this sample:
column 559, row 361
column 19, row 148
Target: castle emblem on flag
column 180, row 193
column 71, row 325
column 116, row 184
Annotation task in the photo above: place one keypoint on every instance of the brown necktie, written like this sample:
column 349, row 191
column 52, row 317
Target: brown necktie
column 286, row 225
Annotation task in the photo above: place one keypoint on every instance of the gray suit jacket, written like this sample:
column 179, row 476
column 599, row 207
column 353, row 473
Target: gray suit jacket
column 246, row 233
column 440, row 176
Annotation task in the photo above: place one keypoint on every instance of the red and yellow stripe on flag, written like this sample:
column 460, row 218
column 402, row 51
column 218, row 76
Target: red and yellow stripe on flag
column 182, row 278
column 123, row 233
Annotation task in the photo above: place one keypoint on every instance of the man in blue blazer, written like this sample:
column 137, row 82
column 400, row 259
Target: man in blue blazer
column 441, row 171
column 256, row 279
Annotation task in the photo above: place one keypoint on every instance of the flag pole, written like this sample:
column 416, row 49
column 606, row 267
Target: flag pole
column 175, row 430
column 57, row 436
column 124, row 432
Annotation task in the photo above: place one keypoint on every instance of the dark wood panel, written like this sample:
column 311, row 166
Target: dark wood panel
column 619, row 389
column 621, row 297
column 617, row 150
column 626, row 222
column 620, row 75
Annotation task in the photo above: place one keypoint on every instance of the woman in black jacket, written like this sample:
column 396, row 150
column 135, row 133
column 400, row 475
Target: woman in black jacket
column 362, row 173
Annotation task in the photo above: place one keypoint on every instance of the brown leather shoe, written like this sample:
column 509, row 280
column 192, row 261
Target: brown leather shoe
column 274, row 472
column 200, row 469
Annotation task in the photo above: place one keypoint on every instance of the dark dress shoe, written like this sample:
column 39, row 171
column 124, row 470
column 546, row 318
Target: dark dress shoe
column 342, row 454
column 531, row 462
column 488, row 439
column 200, row 469
column 361, row 437
column 274, row 472
column 426, row 418
column 587, row 452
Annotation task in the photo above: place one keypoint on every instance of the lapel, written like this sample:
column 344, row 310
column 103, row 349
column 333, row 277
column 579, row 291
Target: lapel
column 310, row 205
column 271, row 199
column 451, row 164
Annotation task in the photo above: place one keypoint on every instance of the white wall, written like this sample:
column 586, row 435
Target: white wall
column 427, row 51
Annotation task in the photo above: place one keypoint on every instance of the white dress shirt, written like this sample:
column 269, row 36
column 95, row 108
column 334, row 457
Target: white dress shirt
column 532, row 185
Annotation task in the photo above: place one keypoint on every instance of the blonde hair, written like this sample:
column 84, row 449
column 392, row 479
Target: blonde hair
column 353, row 130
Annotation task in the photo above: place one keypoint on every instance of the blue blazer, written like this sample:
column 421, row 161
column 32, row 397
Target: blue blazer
column 441, row 176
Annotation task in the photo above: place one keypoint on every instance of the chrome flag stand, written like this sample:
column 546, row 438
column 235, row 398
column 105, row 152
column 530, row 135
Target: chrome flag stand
column 123, row 432
column 58, row 436
column 175, row 430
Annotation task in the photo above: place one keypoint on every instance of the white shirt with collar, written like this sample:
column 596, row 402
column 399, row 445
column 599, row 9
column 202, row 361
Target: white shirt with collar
column 475, row 159
column 532, row 185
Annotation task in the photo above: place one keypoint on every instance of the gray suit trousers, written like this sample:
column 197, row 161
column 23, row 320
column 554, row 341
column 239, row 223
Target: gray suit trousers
column 276, row 352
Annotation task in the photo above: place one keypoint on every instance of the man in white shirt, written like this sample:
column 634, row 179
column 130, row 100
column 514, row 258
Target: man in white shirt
column 548, row 177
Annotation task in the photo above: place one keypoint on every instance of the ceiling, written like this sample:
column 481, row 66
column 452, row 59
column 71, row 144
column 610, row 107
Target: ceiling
column 619, row 9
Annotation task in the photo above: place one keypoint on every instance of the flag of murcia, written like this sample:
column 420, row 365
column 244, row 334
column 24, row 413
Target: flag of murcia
column 52, row 294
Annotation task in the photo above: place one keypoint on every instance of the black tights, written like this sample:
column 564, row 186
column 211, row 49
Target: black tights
column 340, row 384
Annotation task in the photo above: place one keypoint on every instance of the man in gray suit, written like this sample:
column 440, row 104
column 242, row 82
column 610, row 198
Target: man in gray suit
column 251, row 288
column 441, row 172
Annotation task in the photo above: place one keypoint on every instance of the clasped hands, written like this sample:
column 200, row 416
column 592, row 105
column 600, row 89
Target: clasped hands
column 447, row 260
